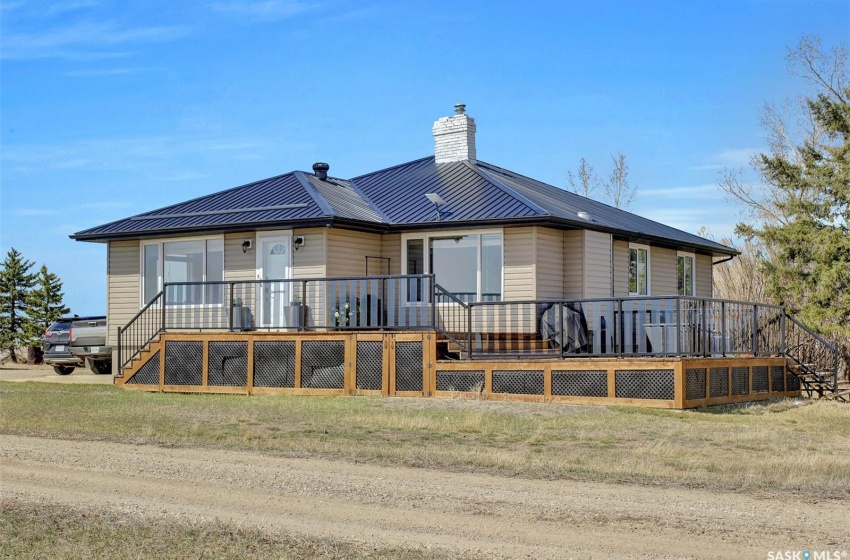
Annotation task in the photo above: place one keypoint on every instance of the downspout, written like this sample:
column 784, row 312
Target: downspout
column 612, row 265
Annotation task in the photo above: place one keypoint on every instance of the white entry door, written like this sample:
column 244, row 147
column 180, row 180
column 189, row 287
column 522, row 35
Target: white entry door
column 274, row 265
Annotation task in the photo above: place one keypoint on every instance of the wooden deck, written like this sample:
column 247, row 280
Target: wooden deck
column 406, row 364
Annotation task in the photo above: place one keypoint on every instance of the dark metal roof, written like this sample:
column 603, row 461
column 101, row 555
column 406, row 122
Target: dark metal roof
column 342, row 199
column 475, row 193
column 566, row 206
column 270, row 201
column 399, row 193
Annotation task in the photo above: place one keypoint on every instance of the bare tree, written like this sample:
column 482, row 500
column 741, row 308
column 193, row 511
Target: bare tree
column 788, row 127
column 584, row 181
column 618, row 191
column 741, row 278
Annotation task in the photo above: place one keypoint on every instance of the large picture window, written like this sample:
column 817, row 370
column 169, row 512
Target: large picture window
column 186, row 265
column 638, row 270
column 469, row 265
column 685, row 273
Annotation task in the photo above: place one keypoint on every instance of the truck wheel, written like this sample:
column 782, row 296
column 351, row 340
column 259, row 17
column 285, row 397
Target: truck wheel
column 100, row 367
column 63, row 370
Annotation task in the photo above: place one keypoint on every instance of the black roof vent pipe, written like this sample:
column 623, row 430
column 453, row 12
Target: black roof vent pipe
column 321, row 170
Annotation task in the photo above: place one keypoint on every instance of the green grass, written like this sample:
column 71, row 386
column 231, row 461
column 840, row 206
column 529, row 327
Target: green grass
column 38, row 531
column 781, row 446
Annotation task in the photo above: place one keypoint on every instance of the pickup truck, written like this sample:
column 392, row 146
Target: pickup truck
column 72, row 342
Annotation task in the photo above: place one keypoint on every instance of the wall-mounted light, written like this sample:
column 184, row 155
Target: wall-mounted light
column 298, row 242
column 437, row 200
column 247, row 244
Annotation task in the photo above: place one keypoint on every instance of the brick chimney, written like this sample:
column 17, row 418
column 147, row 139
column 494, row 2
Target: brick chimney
column 454, row 137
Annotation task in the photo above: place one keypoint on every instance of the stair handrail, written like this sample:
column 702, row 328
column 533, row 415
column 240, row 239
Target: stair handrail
column 440, row 291
column 140, row 341
column 833, row 349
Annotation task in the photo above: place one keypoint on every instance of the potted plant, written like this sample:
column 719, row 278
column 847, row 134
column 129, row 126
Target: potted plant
column 346, row 315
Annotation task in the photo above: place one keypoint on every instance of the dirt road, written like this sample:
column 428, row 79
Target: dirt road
column 458, row 512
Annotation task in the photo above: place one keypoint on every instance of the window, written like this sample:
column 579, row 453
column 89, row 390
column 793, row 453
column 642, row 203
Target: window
column 638, row 270
column 685, row 274
column 151, row 284
column 186, row 264
column 469, row 265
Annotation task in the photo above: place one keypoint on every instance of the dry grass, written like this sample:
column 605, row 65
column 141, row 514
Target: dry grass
column 782, row 446
column 38, row 531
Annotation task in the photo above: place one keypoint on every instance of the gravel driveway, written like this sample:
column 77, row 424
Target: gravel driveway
column 457, row 512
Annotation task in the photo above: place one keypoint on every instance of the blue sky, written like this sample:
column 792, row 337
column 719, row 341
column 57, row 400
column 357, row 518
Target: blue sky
column 109, row 108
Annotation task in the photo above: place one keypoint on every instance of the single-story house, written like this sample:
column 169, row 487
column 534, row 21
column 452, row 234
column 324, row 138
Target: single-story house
column 478, row 233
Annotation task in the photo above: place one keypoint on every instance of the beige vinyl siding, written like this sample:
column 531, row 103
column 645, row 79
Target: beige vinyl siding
column 597, row 264
column 621, row 269
column 347, row 252
column 704, row 278
column 122, row 286
column 520, row 253
column 239, row 266
column 662, row 275
column 309, row 260
column 550, row 263
column 574, row 264
column 391, row 248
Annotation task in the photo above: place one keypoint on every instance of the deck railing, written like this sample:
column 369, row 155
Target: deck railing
column 817, row 359
column 599, row 327
column 140, row 330
column 633, row 326
column 352, row 303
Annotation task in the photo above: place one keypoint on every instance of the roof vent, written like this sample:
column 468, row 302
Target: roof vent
column 585, row 216
column 321, row 170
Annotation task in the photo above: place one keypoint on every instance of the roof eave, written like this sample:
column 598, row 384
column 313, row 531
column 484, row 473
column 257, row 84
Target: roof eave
column 713, row 249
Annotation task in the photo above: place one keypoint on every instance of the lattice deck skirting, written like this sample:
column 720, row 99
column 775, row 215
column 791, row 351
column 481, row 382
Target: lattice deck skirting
column 405, row 364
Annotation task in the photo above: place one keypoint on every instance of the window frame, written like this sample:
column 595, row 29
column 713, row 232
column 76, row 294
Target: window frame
column 693, row 257
column 160, row 243
column 639, row 246
column 426, row 237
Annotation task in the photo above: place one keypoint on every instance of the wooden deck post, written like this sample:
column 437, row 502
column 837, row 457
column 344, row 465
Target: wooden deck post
column 679, row 384
column 249, row 383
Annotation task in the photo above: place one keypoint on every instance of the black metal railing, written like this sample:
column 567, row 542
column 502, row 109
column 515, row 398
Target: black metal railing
column 351, row 303
column 451, row 318
column 816, row 359
column 599, row 327
column 140, row 330
column 633, row 326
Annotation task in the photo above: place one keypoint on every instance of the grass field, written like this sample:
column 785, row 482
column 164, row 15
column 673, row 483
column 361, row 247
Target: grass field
column 35, row 532
column 784, row 446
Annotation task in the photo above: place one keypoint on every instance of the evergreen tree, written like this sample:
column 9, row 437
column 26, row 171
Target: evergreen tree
column 810, row 268
column 16, row 281
column 45, row 303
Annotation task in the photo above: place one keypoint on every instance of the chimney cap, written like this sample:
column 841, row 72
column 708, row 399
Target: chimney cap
column 460, row 108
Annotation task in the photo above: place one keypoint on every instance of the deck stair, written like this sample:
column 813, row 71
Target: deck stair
column 813, row 360
column 493, row 345
column 153, row 346
column 820, row 383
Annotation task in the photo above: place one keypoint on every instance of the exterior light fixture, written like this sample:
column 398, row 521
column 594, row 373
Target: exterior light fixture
column 247, row 244
column 298, row 242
